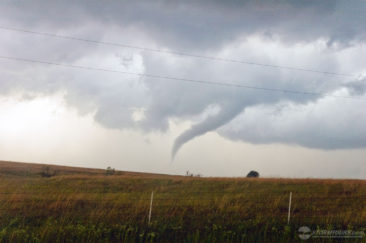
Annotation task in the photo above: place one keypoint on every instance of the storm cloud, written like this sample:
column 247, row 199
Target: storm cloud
column 317, row 35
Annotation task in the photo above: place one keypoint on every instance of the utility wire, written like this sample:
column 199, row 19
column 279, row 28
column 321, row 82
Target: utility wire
column 212, row 58
column 205, row 82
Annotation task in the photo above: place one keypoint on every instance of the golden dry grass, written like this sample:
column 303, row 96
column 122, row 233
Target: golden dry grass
column 77, row 197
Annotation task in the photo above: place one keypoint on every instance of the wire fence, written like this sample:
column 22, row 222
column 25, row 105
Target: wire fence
column 162, row 204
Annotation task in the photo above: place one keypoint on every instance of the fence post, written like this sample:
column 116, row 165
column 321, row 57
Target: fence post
column 151, row 202
column 289, row 209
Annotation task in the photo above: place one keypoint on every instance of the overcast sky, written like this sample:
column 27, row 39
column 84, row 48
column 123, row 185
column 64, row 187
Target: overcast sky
column 85, row 117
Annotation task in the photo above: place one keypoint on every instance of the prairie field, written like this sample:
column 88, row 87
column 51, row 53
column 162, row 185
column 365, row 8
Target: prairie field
column 40, row 203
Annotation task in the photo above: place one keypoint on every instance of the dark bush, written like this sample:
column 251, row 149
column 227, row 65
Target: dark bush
column 253, row 173
column 110, row 171
column 47, row 172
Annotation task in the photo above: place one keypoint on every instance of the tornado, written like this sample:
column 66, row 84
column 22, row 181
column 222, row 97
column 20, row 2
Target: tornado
column 227, row 112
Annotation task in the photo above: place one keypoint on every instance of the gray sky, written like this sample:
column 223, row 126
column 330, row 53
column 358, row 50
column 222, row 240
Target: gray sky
column 92, row 118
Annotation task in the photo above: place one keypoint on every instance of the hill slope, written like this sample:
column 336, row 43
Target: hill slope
column 87, row 205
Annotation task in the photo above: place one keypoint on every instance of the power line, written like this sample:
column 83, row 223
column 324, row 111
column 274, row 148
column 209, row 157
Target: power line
column 212, row 58
column 205, row 82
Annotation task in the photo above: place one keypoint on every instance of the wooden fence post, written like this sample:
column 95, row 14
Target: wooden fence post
column 289, row 209
column 151, row 202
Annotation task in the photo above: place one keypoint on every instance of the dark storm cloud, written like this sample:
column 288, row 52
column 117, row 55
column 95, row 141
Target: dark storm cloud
column 199, row 24
column 308, row 34
column 326, row 124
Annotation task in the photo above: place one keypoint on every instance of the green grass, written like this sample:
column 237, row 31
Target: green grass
column 93, row 207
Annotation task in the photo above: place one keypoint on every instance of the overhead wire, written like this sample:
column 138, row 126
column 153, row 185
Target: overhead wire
column 212, row 58
column 205, row 82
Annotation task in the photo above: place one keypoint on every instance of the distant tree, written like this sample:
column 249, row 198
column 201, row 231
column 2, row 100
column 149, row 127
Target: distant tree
column 110, row 171
column 192, row 175
column 189, row 173
column 253, row 174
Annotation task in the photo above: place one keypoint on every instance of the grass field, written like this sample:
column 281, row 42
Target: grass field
column 86, row 205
